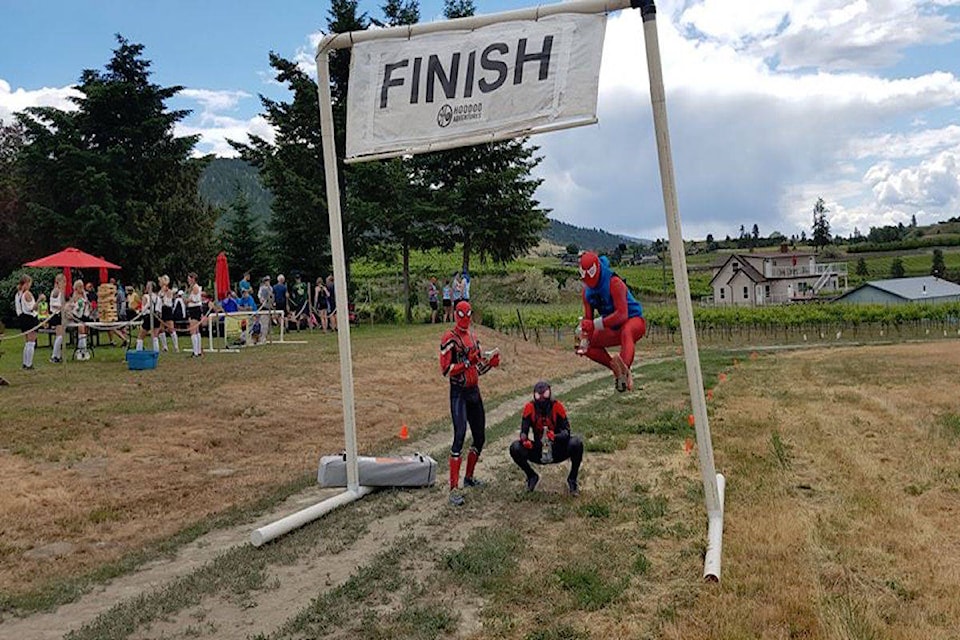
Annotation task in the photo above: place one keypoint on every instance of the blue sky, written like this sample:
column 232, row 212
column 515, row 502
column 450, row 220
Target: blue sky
column 770, row 107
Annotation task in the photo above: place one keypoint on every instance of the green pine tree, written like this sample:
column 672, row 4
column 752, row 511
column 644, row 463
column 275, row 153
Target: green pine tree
column 896, row 268
column 112, row 178
column 242, row 240
column 861, row 269
column 939, row 267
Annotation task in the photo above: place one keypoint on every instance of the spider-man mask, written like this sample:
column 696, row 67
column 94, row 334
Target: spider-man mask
column 590, row 269
column 462, row 315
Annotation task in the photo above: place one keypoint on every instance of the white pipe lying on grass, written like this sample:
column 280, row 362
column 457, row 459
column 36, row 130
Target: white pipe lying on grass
column 711, row 561
column 276, row 529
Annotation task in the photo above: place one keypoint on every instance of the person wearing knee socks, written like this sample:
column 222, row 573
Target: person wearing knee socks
column 194, row 312
column 25, row 306
column 57, row 303
column 545, row 438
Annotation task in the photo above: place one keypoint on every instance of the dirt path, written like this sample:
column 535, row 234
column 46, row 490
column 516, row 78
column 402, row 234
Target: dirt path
column 292, row 587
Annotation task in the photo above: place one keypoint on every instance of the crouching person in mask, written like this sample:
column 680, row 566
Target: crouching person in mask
column 545, row 438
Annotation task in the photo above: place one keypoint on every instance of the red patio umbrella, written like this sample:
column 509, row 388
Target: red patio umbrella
column 222, row 276
column 73, row 258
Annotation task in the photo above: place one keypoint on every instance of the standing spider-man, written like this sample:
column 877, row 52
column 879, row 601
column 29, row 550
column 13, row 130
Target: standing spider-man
column 620, row 320
column 462, row 362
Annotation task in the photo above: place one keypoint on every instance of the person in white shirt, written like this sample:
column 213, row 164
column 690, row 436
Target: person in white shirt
column 166, row 314
column 58, row 298
column 81, row 312
column 194, row 312
column 26, row 307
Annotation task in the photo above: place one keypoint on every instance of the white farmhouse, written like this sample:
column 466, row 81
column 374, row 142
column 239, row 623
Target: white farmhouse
column 774, row 278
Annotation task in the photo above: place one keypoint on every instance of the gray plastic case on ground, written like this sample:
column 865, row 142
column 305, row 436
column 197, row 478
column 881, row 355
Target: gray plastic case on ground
column 415, row 470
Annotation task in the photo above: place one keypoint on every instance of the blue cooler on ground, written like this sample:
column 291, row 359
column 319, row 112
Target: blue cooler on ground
column 140, row 360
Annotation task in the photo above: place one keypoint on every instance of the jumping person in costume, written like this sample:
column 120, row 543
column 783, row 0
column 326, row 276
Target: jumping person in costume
column 463, row 363
column 620, row 320
column 545, row 438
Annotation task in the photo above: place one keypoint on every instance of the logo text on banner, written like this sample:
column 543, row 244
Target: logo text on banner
column 507, row 79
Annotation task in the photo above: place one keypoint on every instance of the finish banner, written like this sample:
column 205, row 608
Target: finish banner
column 457, row 88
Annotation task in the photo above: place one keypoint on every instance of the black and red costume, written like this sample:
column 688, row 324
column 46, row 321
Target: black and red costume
column 462, row 362
column 545, row 422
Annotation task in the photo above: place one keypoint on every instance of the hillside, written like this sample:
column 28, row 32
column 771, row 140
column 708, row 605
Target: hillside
column 223, row 176
column 563, row 234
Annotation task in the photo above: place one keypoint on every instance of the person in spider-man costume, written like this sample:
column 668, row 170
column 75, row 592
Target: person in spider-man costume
column 463, row 363
column 620, row 319
column 544, row 426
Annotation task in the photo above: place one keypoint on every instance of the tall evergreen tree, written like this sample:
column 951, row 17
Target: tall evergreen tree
column 862, row 269
column 896, row 268
column 821, row 226
column 14, row 245
column 242, row 240
column 939, row 267
column 292, row 166
column 113, row 178
column 392, row 198
column 487, row 189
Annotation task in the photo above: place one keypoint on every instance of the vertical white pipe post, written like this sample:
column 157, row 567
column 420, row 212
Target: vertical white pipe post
column 211, row 318
column 712, row 494
column 339, row 268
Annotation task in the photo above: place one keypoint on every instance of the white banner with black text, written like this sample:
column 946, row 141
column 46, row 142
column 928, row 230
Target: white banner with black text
column 455, row 88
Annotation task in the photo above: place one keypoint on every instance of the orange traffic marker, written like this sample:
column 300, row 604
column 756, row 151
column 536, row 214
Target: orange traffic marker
column 723, row 377
column 691, row 420
column 709, row 394
column 688, row 446
column 404, row 432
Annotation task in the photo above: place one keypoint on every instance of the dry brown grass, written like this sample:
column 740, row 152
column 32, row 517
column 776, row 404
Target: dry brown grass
column 855, row 536
column 108, row 460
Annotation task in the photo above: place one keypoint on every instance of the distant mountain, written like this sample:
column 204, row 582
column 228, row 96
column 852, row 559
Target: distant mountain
column 596, row 239
column 223, row 176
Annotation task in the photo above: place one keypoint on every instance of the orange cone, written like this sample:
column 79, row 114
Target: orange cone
column 709, row 394
column 691, row 420
column 404, row 432
column 723, row 377
column 688, row 446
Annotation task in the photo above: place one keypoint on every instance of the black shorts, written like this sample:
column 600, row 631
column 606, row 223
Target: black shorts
column 27, row 322
column 150, row 322
column 166, row 314
column 447, row 303
column 194, row 313
column 433, row 305
column 55, row 320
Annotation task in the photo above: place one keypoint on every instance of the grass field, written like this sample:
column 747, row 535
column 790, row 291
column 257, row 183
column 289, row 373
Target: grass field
column 843, row 491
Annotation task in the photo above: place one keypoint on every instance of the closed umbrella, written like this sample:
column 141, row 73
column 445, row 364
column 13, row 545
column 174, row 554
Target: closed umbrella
column 222, row 276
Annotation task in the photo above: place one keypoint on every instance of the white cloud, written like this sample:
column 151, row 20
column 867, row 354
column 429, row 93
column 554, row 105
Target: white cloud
column 12, row 101
column 753, row 141
column 935, row 182
column 216, row 131
column 213, row 101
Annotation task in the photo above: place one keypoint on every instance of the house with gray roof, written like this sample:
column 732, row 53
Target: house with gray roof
column 774, row 278
column 903, row 290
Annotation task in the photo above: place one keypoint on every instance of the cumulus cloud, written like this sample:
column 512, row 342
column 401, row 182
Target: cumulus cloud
column 757, row 135
column 214, row 101
column 12, row 101
column 215, row 131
